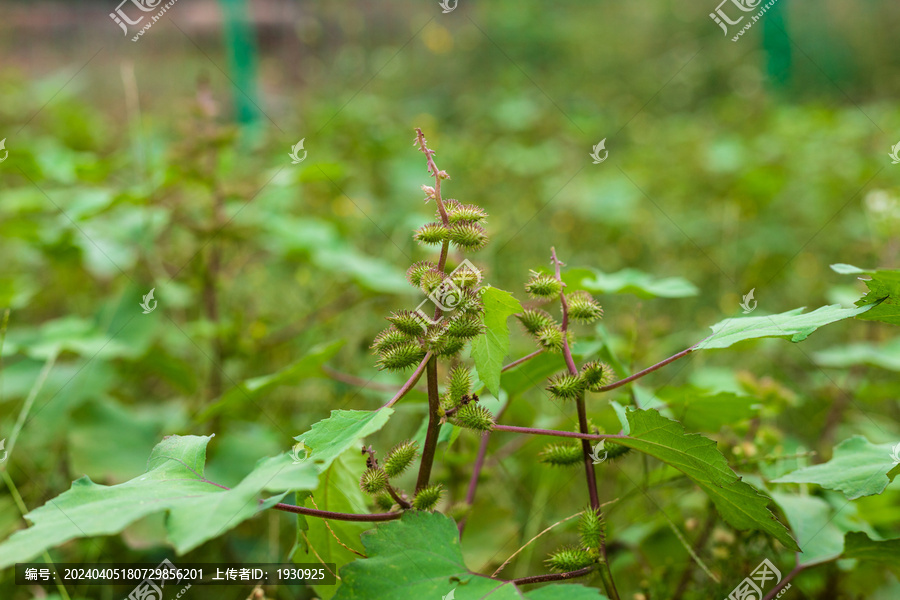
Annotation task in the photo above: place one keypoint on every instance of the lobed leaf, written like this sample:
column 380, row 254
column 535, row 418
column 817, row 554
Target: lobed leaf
column 419, row 556
column 697, row 457
column 490, row 348
column 857, row 468
column 793, row 325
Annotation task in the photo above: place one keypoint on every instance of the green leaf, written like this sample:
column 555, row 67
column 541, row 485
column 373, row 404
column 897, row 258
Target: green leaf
column 174, row 481
column 812, row 522
column 884, row 292
column 331, row 437
column 700, row 410
column 629, row 281
column 697, row 457
column 884, row 356
column 858, row 545
column 254, row 388
column 793, row 325
column 419, row 556
column 845, row 269
column 883, row 297
column 338, row 491
column 857, row 468
column 490, row 348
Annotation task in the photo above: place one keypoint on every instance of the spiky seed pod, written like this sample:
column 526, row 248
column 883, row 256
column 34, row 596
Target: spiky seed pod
column 448, row 346
column 459, row 511
column 430, row 234
column 428, row 497
column 468, row 236
column 459, row 383
column 431, row 280
column 583, row 308
column 384, row 502
column 561, row 455
column 408, row 322
column 596, row 375
column 450, row 204
column 550, row 337
column 474, row 416
column 590, row 527
column 535, row 319
column 400, row 457
column 565, row 386
column 466, row 276
column 543, row 286
column 373, row 481
column 390, row 338
column 401, row 357
column 466, row 212
column 471, row 302
column 614, row 450
column 465, row 326
column 415, row 272
column 569, row 559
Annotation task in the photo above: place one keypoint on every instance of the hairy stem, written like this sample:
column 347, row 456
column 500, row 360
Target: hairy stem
column 434, row 426
column 411, row 382
column 403, row 503
column 557, row 433
column 590, row 474
column 647, row 371
column 516, row 553
column 327, row 514
column 519, row 361
column 473, row 480
column 445, row 219
column 784, row 582
column 552, row 576
column 357, row 381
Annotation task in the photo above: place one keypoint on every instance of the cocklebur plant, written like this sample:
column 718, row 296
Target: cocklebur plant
column 463, row 316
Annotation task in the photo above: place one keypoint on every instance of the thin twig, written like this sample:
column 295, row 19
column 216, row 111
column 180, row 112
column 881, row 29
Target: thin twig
column 514, row 554
column 334, row 535
column 473, row 480
column 701, row 540
column 553, row 576
column 784, row 581
column 327, row 514
column 324, row 564
column 445, row 218
column 518, row 362
column 403, row 503
column 357, row 381
column 647, row 371
column 412, row 381
column 557, row 433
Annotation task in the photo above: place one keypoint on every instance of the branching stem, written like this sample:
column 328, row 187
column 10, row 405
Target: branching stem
column 647, row 371
column 327, row 514
column 411, row 382
column 403, row 503
column 557, row 433
column 552, row 576
column 590, row 474
column 434, row 426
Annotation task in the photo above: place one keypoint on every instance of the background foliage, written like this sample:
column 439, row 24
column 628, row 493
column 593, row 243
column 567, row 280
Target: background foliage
column 732, row 166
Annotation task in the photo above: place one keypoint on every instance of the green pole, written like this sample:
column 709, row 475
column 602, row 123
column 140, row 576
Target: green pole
column 776, row 45
column 241, row 47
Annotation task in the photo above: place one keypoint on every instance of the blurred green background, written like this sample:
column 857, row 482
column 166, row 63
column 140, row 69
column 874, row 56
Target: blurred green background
column 163, row 164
